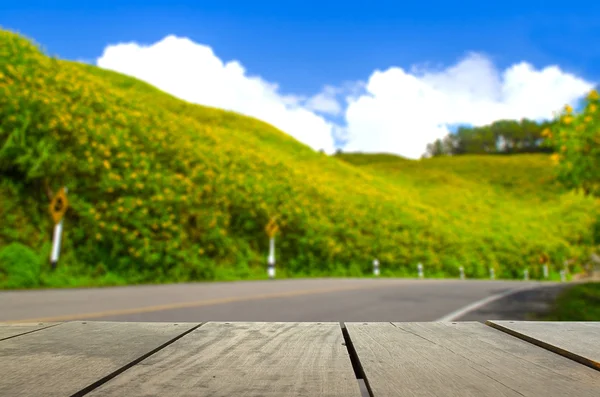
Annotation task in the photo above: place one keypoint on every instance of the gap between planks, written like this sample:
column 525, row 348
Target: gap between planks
column 503, row 327
column 365, row 389
column 41, row 327
column 124, row 368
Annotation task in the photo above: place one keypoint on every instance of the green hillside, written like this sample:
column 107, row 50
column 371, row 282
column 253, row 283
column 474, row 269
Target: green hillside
column 162, row 190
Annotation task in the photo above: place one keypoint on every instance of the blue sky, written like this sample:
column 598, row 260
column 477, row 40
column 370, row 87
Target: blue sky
column 304, row 46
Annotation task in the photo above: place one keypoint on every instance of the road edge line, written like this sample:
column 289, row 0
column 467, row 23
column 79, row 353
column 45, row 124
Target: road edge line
column 480, row 303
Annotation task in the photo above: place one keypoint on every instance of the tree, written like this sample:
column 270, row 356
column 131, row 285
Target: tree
column 436, row 148
column 575, row 139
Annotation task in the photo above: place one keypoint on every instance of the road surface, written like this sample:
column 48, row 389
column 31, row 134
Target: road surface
column 348, row 300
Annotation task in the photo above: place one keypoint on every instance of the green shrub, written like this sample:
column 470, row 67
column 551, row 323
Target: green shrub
column 19, row 267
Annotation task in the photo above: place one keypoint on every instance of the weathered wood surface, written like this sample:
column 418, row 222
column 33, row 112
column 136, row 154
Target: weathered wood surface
column 299, row 359
column 70, row 357
column 462, row 359
column 245, row 359
column 12, row 330
column 580, row 341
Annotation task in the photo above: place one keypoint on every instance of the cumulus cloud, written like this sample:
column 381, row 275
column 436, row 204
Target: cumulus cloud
column 326, row 101
column 395, row 110
column 193, row 72
column 400, row 112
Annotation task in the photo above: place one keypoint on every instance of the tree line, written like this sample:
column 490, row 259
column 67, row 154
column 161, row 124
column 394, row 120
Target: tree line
column 500, row 137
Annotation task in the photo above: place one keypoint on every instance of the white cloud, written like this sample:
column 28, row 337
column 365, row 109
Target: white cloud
column 325, row 102
column 396, row 110
column 193, row 72
column 401, row 112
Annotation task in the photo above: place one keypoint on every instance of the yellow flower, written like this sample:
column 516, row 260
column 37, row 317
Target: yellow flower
column 115, row 228
column 593, row 95
column 587, row 119
column 593, row 108
column 102, row 224
column 106, row 164
column 555, row 158
column 568, row 109
column 98, row 236
column 567, row 119
column 563, row 148
column 120, row 209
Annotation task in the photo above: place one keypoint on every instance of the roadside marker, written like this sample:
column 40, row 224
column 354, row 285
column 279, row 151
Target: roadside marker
column 420, row 269
column 58, row 207
column 462, row 272
column 376, row 267
column 271, row 230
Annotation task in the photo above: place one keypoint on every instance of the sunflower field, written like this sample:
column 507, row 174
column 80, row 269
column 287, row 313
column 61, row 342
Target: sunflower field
column 162, row 190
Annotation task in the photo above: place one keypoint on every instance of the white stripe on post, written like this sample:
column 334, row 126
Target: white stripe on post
column 492, row 273
column 545, row 271
column 376, row 267
column 462, row 272
column 420, row 269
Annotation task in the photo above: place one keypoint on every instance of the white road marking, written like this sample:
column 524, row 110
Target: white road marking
column 480, row 303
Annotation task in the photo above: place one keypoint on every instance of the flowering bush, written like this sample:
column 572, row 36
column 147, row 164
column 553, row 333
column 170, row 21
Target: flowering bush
column 575, row 139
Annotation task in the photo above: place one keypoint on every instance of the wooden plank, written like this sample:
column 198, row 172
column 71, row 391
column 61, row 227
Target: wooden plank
column 579, row 341
column 71, row 357
column 11, row 330
column 245, row 359
column 463, row 359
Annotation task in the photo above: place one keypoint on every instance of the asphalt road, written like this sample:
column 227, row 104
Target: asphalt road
column 285, row 300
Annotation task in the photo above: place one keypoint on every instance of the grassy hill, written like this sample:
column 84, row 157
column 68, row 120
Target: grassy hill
column 162, row 190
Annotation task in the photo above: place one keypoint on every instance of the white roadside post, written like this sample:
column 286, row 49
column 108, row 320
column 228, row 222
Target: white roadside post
column 271, row 230
column 563, row 276
column 271, row 259
column 420, row 269
column 492, row 273
column 462, row 272
column 58, row 207
column 526, row 274
column 376, row 267
column 545, row 269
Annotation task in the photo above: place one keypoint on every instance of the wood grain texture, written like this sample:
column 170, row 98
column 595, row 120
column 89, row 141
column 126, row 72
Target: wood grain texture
column 524, row 367
column 245, row 359
column 13, row 330
column 63, row 360
column 579, row 341
column 443, row 359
